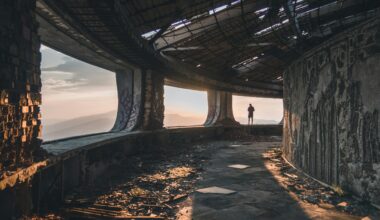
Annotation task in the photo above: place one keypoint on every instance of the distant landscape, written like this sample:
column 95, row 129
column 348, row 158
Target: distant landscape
column 57, row 129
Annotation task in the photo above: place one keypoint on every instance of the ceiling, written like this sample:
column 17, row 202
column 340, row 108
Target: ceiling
column 251, row 40
column 243, row 42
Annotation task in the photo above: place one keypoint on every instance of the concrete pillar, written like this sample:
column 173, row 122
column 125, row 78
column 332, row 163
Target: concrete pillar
column 20, row 84
column 220, row 109
column 153, row 101
column 331, row 104
column 141, row 105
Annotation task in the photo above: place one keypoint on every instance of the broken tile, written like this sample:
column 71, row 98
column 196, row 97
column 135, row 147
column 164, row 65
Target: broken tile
column 238, row 166
column 216, row 190
column 235, row 145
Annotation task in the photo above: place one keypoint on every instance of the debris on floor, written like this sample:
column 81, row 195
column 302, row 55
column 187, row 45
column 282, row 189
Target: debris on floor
column 144, row 187
column 216, row 190
column 238, row 166
column 162, row 186
column 311, row 191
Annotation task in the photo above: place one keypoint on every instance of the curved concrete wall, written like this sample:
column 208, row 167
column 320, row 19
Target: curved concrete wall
column 332, row 103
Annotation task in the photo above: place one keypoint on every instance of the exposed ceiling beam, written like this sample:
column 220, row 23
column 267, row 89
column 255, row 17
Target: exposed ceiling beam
column 203, row 24
column 215, row 47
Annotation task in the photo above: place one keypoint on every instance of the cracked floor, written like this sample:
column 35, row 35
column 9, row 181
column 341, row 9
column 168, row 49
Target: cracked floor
column 265, row 189
column 164, row 186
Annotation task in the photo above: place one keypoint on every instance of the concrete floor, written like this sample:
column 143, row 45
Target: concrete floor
column 259, row 195
column 164, row 186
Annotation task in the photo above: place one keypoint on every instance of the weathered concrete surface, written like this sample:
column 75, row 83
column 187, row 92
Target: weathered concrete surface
column 20, row 97
column 220, row 109
column 164, row 184
column 20, row 84
column 259, row 190
column 331, row 103
column 79, row 161
column 141, row 100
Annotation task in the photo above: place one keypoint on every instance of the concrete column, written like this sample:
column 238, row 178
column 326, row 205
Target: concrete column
column 129, row 86
column 220, row 109
column 153, row 101
column 141, row 105
column 20, row 84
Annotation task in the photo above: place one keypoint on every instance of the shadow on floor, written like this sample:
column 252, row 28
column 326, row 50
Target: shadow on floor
column 258, row 194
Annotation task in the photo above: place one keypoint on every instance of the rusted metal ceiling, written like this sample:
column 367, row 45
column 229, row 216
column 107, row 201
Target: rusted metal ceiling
column 245, row 42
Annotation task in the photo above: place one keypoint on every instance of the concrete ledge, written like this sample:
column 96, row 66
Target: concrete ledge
column 264, row 130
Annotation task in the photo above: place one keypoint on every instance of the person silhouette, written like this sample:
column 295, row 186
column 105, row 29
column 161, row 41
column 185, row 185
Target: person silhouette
column 251, row 109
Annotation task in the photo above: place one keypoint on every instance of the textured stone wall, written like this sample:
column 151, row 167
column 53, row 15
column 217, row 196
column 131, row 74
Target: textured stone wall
column 332, row 103
column 20, row 84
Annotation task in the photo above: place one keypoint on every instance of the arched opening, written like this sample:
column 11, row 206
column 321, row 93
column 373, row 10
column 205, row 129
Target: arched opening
column 267, row 110
column 184, row 107
column 77, row 98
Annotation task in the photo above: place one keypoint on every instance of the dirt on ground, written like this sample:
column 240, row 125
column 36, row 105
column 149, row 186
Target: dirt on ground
column 311, row 191
column 144, row 187
column 154, row 186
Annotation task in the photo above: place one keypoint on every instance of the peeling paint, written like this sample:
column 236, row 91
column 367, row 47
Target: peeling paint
column 331, row 102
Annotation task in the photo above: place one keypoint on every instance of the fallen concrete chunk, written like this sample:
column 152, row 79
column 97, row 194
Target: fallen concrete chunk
column 235, row 145
column 325, row 206
column 216, row 190
column 238, row 166
column 343, row 204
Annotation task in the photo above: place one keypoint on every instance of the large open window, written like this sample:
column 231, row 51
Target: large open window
column 267, row 110
column 184, row 107
column 77, row 98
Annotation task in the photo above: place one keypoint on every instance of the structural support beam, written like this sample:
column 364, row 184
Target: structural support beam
column 220, row 109
column 140, row 95
column 204, row 24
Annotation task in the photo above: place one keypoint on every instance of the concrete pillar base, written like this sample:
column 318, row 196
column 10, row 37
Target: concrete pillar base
column 220, row 109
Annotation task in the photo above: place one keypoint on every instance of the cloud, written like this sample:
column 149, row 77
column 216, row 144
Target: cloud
column 82, row 71
column 50, row 57
column 61, row 72
column 61, row 84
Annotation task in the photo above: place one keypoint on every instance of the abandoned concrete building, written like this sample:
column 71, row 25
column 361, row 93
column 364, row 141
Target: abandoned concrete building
column 321, row 57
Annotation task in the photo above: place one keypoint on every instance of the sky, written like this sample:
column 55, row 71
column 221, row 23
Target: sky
column 265, row 108
column 75, row 93
column 71, row 88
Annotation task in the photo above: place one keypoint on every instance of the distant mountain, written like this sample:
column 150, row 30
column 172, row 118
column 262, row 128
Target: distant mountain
column 171, row 120
column 79, row 126
column 104, row 122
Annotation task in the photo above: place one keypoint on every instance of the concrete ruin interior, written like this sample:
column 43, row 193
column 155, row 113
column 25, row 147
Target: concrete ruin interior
column 321, row 57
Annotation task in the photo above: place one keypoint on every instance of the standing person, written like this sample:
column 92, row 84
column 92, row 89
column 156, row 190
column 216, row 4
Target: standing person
column 251, row 109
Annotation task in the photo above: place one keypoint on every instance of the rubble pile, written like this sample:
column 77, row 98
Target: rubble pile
column 311, row 191
column 144, row 187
